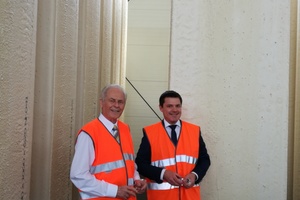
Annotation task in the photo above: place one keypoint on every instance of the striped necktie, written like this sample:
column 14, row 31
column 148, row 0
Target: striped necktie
column 116, row 133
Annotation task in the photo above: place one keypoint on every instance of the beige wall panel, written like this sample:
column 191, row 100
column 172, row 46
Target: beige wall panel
column 64, row 92
column 86, row 97
column 106, row 41
column 123, row 45
column 157, row 19
column 88, row 62
column 230, row 62
column 138, row 112
column 137, row 106
column 17, row 53
column 117, row 40
column 113, row 41
column 293, row 189
column 50, row 85
column 40, row 180
column 144, row 37
column 137, row 125
column 294, row 170
column 150, row 5
column 147, row 62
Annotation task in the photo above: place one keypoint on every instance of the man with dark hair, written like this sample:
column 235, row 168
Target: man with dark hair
column 172, row 154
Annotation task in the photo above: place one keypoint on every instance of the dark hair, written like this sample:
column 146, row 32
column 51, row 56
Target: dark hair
column 168, row 93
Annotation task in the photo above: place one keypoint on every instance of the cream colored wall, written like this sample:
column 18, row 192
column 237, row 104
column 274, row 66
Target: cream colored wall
column 55, row 57
column 147, row 61
column 17, row 53
column 230, row 62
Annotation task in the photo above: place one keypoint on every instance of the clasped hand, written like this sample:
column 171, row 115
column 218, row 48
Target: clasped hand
column 140, row 185
column 124, row 192
column 175, row 179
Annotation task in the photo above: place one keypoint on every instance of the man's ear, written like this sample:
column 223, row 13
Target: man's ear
column 160, row 108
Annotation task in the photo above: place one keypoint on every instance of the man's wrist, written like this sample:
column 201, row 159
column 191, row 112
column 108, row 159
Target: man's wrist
column 196, row 176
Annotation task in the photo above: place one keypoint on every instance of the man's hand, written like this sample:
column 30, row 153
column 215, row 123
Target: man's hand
column 189, row 180
column 173, row 178
column 140, row 185
column 124, row 192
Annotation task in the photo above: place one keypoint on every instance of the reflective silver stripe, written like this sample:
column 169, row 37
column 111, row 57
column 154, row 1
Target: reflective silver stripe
column 186, row 159
column 128, row 156
column 164, row 186
column 164, row 162
column 107, row 167
column 172, row 161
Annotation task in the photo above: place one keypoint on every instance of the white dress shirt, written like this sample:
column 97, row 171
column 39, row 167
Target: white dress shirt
column 168, row 128
column 82, row 161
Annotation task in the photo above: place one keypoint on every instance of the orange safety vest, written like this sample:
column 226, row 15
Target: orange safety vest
column 181, row 159
column 114, row 162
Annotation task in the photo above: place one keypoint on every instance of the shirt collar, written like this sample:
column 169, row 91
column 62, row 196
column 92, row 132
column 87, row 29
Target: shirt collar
column 168, row 124
column 108, row 124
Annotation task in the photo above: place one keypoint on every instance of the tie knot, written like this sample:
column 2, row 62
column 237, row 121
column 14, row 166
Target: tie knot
column 116, row 133
column 173, row 127
column 115, row 128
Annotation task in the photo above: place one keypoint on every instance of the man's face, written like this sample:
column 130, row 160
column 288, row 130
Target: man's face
column 171, row 109
column 113, row 104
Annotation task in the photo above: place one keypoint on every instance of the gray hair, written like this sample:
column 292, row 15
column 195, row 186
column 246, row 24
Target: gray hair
column 106, row 88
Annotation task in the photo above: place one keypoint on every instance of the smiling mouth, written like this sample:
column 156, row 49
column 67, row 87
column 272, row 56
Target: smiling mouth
column 115, row 111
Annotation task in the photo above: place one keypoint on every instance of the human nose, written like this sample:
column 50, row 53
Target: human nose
column 118, row 103
column 174, row 108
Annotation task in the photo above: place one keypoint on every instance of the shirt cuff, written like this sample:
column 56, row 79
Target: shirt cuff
column 162, row 174
column 195, row 175
column 112, row 190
